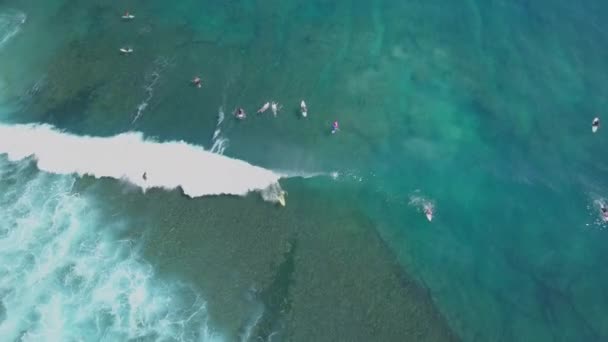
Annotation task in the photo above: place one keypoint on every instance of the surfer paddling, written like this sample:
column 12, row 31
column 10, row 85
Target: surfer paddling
column 240, row 114
column 275, row 108
column 428, row 212
column 264, row 107
column 128, row 16
column 335, row 127
column 303, row 109
column 595, row 125
column 197, row 82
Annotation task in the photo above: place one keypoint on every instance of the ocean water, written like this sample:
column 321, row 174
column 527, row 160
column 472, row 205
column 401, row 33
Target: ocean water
column 481, row 109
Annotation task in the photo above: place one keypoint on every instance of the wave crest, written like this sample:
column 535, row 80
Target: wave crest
column 129, row 156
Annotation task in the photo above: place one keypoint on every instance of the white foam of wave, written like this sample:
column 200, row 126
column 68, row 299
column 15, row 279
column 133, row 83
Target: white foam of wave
column 10, row 25
column 220, row 143
column 273, row 193
column 64, row 277
column 128, row 156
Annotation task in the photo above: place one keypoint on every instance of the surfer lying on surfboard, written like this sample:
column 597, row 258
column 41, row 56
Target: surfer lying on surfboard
column 303, row 108
column 595, row 125
column 128, row 15
column 275, row 107
column 335, row 127
column 197, row 82
column 240, row 114
column 604, row 212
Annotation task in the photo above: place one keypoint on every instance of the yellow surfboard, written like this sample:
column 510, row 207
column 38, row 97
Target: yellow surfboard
column 282, row 198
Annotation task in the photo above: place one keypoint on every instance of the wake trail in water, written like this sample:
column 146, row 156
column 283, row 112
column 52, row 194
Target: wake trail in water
column 306, row 174
column 421, row 203
column 220, row 143
column 128, row 156
column 10, row 25
column 151, row 79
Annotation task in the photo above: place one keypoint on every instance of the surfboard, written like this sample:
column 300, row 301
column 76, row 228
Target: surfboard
column 594, row 128
column 281, row 199
column 124, row 50
column 303, row 108
column 428, row 212
column 128, row 17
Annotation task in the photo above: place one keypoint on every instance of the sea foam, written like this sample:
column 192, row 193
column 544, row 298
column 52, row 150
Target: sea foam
column 128, row 156
column 65, row 275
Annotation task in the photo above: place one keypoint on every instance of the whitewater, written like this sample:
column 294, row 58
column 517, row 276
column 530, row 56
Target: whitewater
column 127, row 156
column 64, row 276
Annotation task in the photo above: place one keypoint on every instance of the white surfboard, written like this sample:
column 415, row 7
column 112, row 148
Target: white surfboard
column 128, row 16
column 303, row 108
column 264, row 107
column 594, row 129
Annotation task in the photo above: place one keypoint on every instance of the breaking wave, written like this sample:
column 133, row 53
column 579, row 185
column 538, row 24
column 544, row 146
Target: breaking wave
column 133, row 158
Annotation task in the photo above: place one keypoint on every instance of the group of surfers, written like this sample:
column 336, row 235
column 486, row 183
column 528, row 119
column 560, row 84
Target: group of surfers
column 240, row 113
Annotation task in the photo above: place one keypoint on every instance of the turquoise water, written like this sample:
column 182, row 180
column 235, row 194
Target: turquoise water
column 482, row 108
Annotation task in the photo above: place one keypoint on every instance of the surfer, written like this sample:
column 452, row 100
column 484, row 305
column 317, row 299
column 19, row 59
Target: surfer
column 281, row 197
column 128, row 15
column 604, row 211
column 264, row 107
column 197, row 82
column 595, row 125
column 335, row 127
column 428, row 211
column 126, row 50
column 303, row 108
column 275, row 108
column 145, row 176
column 240, row 113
